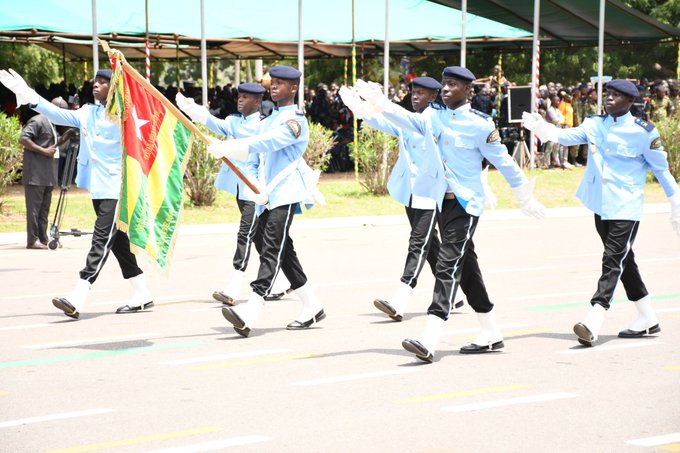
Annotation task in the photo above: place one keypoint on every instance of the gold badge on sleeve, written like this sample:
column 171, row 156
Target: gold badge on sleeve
column 494, row 136
column 294, row 127
column 656, row 143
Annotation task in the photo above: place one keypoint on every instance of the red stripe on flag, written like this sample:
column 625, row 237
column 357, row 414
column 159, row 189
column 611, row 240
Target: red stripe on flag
column 144, row 116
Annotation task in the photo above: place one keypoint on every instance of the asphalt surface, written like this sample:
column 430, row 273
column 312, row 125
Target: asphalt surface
column 179, row 379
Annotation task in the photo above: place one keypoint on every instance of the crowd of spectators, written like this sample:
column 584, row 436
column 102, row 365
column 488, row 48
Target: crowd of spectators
column 562, row 105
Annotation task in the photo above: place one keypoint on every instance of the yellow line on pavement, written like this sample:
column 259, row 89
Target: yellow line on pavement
column 256, row 361
column 3, row 393
column 138, row 440
column 480, row 391
column 670, row 447
column 673, row 367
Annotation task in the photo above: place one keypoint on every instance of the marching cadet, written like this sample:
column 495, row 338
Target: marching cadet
column 243, row 124
column 274, row 159
column 622, row 149
column 410, row 169
column 462, row 138
column 99, row 171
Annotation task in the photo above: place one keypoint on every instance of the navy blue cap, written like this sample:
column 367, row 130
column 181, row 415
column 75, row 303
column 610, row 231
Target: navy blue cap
column 624, row 86
column 285, row 72
column 251, row 88
column 458, row 72
column 106, row 73
column 426, row 82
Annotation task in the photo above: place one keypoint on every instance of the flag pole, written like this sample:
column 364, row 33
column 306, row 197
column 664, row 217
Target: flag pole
column 132, row 72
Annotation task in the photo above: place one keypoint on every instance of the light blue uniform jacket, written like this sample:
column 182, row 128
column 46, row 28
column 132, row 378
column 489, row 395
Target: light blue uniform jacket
column 233, row 126
column 415, row 169
column 282, row 140
column 620, row 152
column 463, row 138
column 100, row 154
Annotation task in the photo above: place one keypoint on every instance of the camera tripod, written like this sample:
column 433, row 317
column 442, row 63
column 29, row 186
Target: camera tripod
column 521, row 152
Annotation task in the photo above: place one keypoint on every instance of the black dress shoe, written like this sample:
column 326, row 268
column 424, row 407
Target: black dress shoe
column 129, row 309
column 477, row 349
column 65, row 306
column 585, row 336
column 388, row 309
column 224, row 298
column 417, row 348
column 639, row 333
column 300, row 325
column 238, row 323
column 278, row 296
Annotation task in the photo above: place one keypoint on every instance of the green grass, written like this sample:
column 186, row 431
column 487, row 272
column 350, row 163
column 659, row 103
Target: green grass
column 344, row 197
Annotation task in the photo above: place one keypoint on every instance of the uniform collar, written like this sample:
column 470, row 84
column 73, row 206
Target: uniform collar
column 286, row 107
column 621, row 119
column 463, row 108
column 253, row 115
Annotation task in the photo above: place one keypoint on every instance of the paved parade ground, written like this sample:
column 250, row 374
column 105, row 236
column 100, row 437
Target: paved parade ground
column 179, row 379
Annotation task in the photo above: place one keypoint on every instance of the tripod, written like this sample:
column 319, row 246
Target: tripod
column 521, row 153
column 64, row 185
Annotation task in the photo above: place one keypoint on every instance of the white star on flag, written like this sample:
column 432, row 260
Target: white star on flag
column 138, row 122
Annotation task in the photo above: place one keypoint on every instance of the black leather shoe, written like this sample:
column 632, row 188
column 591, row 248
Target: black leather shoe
column 639, row 333
column 223, row 297
column 417, row 348
column 477, row 349
column 300, row 325
column 278, row 296
column 129, row 309
column 388, row 309
column 65, row 306
column 235, row 320
column 585, row 336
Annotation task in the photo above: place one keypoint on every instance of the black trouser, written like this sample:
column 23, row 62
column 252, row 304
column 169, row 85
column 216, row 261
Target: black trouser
column 618, row 261
column 276, row 250
column 38, row 200
column 423, row 244
column 106, row 238
column 246, row 233
column 457, row 251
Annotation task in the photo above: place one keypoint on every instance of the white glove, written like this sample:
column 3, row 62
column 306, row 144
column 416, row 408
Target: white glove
column 535, row 123
column 197, row 113
column 261, row 198
column 372, row 93
column 675, row 212
column 490, row 199
column 351, row 99
column 529, row 206
column 236, row 149
column 15, row 83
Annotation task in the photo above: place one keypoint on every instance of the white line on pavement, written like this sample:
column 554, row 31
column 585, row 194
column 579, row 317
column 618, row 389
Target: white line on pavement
column 214, row 445
column 26, row 326
column 45, row 418
column 635, row 344
column 155, row 299
column 654, row 441
column 668, row 310
column 96, row 340
column 508, row 402
column 549, row 295
column 50, row 295
column 354, row 377
column 217, row 358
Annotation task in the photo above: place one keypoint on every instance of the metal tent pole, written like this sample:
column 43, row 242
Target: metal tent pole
column 95, row 44
column 600, row 56
column 204, row 57
column 301, row 60
column 535, row 75
column 463, row 33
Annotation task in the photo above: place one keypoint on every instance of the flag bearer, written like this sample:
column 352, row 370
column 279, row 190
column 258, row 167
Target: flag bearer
column 99, row 171
column 274, row 158
column 463, row 138
column 622, row 149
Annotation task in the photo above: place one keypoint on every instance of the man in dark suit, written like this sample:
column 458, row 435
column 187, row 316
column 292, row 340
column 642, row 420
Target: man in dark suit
column 40, row 141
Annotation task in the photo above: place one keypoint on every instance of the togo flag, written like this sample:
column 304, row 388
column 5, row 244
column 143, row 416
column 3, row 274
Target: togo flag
column 155, row 150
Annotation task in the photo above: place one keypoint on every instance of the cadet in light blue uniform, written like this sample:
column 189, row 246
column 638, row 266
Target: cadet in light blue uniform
column 244, row 124
column 414, row 167
column 462, row 138
column 99, row 171
column 274, row 158
column 621, row 150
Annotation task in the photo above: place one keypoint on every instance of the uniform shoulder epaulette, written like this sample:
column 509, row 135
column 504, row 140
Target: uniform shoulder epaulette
column 437, row 106
column 299, row 113
column 482, row 114
column 646, row 125
column 237, row 115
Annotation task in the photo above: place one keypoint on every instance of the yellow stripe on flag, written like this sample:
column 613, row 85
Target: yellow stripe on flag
column 134, row 182
column 158, row 174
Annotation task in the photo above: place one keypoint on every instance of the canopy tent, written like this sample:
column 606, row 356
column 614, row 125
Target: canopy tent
column 263, row 28
column 566, row 24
